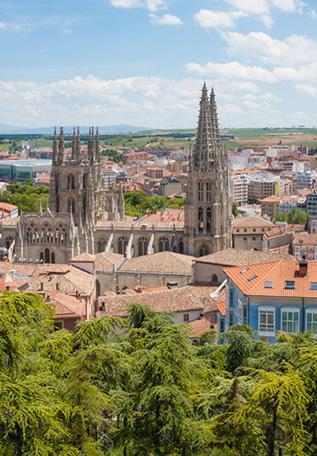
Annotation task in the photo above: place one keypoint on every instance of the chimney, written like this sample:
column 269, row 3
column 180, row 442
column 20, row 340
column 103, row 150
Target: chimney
column 303, row 267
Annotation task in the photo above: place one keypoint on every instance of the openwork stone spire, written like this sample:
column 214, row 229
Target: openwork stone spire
column 73, row 145
column 77, row 147
column 55, row 147
column 204, row 132
column 214, row 117
column 61, row 147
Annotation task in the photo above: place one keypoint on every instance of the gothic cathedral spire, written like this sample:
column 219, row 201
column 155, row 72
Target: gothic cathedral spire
column 208, row 206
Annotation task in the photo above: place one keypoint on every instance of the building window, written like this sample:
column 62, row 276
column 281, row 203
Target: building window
column 185, row 317
column 204, row 250
column 208, row 218
column 122, row 245
column 200, row 219
column 163, row 245
column 71, row 206
column 208, row 191
column 266, row 324
column 58, row 324
column 143, row 245
column 181, row 246
column 311, row 322
column 290, row 320
column 214, row 278
column 200, row 191
column 70, row 182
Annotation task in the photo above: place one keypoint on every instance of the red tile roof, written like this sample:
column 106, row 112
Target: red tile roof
column 253, row 280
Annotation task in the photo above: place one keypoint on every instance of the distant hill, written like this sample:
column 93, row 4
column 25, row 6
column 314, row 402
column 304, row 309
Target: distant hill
column 123, row 128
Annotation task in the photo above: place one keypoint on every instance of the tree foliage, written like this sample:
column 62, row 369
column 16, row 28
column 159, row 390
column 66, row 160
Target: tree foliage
column 295, row 217
column 138, row 203
column 26, row 197
column 139, row 387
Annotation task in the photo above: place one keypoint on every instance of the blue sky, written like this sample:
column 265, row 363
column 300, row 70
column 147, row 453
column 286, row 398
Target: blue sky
column 143, row 62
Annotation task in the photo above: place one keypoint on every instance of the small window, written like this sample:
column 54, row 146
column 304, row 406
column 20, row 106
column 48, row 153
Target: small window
column 245, row 230
column 58, row 324
column 290, row 284
column 268, row 284
column 186, row 317
column 252, row 277
column 238, row 230
column 254, row 230
column 313, row 285
column 253, row 238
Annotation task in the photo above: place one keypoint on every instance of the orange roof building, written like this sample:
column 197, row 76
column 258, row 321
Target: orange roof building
column 273, row 297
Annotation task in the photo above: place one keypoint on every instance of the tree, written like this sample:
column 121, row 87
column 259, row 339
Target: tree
column 295, row 217
column 234, row 209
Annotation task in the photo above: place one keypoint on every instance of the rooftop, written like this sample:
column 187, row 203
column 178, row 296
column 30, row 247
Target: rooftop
column 170, row 301
column 163, row 262
column 235, row 257
column 251, row 222
column 270, row 279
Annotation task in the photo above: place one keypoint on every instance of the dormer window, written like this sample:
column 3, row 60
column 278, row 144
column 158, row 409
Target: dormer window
column 289, row 284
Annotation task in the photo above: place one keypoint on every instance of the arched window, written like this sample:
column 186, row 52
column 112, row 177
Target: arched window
column 208, row 191
column 181, row 246
column 200, row 219
column 101, row 246
column 47, row 256
column 122, row 245
column 52, row 257
column 163, row 244
column 85, row 180
column 142, row 246
column 9, row 241
column 214, row 279
column 208, row 219
column 71, row 206
column 98, row 289
column 70, row 182
column 42, row 257
column 200, row 191
column 204, row 250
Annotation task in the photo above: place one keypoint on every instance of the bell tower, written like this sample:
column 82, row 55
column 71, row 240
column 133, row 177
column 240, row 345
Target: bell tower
column 208, row 207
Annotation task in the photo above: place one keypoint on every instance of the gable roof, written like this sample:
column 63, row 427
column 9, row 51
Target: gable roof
column 169, row 301
column 161, row 262
column 251, row 222
column 236, row 257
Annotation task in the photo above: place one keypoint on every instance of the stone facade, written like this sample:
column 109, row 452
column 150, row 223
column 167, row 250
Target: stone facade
column 82, row 216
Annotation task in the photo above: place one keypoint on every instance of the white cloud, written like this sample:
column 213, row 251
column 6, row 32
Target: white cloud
column 214, row 19
column 312, row 14
column 307, row 89
column 237, row 71
column 155, row 5
column 149, row 101
column 166, row 19
column 290, row 6
column 293, row 50
column 258, row 8
column 67, row 31
column 152, row 5
column 126, row 3
column 3, row 26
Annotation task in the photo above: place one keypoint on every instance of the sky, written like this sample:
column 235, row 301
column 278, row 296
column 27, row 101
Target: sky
column 143, row 62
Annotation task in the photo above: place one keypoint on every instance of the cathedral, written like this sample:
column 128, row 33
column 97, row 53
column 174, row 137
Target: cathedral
column 82, row 216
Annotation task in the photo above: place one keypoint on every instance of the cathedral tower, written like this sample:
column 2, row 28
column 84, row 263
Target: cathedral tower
column 208, row 206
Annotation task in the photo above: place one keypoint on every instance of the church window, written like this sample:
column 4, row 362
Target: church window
column 47, row 256
column 163, row 245
column 208, row 191
column 71, row 206
column 200, row 191
column 142, row 246
column 204, row 250
column 200, row 219
column 41, row 257
column 85, row 180
column 101, row 246
column 208, row 218
column 214, row 278
column 122, row 245
column 70, row 182
column 9, row 242
column 52, row 257
column 181, row 246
